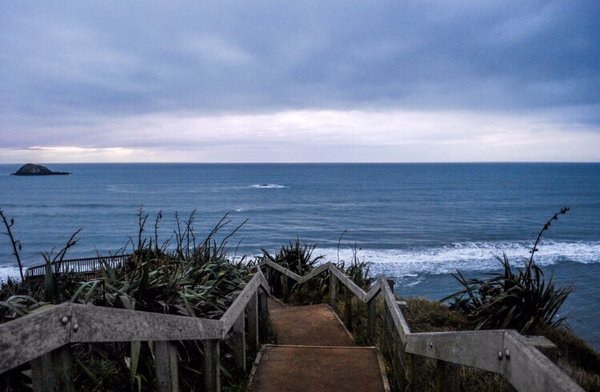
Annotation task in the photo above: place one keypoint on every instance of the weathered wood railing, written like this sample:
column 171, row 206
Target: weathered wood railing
column 506, row 352
column 78, row 266
column 43, row 337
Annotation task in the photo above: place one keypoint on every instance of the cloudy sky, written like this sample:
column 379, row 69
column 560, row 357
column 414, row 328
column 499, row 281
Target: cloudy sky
column 295, row 81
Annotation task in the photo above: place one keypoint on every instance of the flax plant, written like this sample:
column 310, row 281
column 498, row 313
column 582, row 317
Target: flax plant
column 194, row 280
column 523, row 299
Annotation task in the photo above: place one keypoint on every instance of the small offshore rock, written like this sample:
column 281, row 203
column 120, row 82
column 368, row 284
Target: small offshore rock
column 31, row 169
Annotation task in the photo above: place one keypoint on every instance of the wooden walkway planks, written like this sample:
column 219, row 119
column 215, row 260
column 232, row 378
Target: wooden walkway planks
column 306, row 368
column 313, row 325
column 315, row 352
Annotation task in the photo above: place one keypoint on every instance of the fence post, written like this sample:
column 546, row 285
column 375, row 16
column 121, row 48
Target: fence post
column 238, row 339
column 253, row 322
column 448, row 377
column 332, row 289
column 394, row 348
column 391, row 283
column 263, row 316
column 212, row 371
column 284, row 287
column 348, row 309
column 418, row 369
column 371, row 305
column 545, row 346
column 165, row 364
column 52, row 371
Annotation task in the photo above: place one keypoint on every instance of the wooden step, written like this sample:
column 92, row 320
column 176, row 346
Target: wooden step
column 319, row 368
column 312, row 325
column 315, row 352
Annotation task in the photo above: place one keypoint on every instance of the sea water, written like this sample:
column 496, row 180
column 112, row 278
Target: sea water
column 416, row 223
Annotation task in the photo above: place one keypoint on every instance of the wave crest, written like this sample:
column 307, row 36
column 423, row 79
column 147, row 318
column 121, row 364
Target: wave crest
column 474, row 256
column 268, row 186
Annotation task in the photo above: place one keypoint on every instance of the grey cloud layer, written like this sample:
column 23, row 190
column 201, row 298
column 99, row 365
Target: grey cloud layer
column 141, row 56
column 65, row 61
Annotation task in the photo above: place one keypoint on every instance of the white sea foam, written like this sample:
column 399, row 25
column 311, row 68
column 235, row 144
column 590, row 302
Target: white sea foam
column 6, row 272
column 268, row 186
column 479, row 256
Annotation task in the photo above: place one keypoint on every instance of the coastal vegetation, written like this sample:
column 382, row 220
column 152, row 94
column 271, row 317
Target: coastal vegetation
column 523, row 300
column 197, row 278
column 194, row 278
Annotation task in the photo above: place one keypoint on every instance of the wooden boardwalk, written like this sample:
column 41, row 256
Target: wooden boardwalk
column 315, row 352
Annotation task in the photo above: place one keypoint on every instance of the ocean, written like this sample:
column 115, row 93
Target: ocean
column 416, row 223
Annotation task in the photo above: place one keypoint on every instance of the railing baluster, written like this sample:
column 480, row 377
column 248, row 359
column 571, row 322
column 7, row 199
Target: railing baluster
column 372, row 313
column 263, row 316
column 253, row 323
column 52, row 371
column 238, row 339
column 284, row 287
column 332, row 290
column 348, row 309
column 167, row 374
column 212, row 372
column 448, row 377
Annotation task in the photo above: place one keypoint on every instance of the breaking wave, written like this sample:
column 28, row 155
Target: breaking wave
column 267, row 186
column 473, row 256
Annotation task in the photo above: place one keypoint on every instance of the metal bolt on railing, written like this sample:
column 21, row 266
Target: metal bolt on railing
column 64, row 320
column 507, row 354
column 75, row 327
column 500, row 355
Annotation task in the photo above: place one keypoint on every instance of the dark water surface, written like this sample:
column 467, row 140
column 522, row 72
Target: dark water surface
column 415, row 222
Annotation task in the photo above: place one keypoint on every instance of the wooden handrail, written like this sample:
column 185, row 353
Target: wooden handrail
column 82, row 265
column 392, row 305
column 237, row 307
column 53, row 326
column 49, row 328
column 504, row 352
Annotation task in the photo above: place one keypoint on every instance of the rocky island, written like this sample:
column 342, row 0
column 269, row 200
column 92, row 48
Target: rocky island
column 31, row 169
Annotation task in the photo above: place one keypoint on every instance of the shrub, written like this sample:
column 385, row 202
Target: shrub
column 190, row 280
column 523, row 300
column 296, row 257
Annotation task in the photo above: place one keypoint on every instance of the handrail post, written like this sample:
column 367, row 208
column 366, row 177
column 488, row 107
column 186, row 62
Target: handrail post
column 263, row 316
column 165, row 365
column 394, row 350
column 391, row 283
column 284, row 286
column 238, row 339
column 332, row 289
column 253, row 322
column 52, row 371
column 448, row 377
column 371, row 305
column 418, row 368
column 348, row 309
column 212, row 371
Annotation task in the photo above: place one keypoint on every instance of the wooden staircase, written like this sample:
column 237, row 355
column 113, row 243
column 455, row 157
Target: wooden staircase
column 315, row 352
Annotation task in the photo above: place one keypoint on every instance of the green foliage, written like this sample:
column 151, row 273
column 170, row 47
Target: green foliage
column 423, row 315
column 296, row 257
column 195, row 280
column 357, row 270
column 523, row 300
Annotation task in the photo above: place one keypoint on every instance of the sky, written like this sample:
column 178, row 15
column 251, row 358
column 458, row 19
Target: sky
column 299, row 81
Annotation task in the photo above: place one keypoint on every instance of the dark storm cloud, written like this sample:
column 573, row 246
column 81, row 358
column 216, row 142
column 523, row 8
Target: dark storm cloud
column 69, row 59
column 340, row 80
